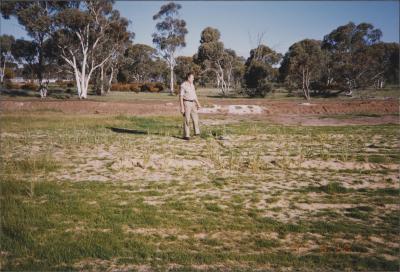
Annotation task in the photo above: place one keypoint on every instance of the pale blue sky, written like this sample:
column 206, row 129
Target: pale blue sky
column 283, row 22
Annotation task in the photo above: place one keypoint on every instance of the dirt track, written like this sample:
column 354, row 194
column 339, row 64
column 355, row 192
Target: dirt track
column 288, row 112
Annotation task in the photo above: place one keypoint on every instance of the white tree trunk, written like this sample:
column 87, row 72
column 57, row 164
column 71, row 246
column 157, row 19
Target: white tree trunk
column 305, row 83
column 220, row 75
column 83, row 74
column 86, row 67
column 102, row 80
column 229, row 77
column 171, row 83
column 3, row 70
column 78, row 81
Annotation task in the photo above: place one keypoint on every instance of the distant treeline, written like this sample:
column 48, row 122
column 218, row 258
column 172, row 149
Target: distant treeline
column 89, row 42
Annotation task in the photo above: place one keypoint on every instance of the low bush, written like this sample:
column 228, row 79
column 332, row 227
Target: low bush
column 11, row 85
column 63, row 83
column 120, row 87
column 134, row 87
column 30, row 86
column 153, row 87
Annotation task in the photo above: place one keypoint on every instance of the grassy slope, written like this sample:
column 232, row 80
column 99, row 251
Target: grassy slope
column 239, row 212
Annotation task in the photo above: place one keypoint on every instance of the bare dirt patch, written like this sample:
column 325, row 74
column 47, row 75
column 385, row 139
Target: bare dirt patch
column 282, row 112
column 315, row 120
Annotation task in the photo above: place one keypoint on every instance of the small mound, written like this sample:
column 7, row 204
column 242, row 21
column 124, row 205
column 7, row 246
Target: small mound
column 244, row 109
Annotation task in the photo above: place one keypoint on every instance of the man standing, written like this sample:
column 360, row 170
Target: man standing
column 189, row 104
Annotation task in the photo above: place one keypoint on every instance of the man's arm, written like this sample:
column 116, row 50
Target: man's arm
column 181, row 91
column 198, row 103
column 182, row 109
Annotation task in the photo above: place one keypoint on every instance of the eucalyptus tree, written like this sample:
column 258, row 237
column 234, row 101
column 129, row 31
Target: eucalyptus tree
column 170, row 35
column 118, row 40
column 383, row 60
column 348, row 45
column 83, row 37
column 6, row 43
column 25, row 52
column 238, row 71
column 302, row 64
column 259, row 71
column 160, row 71
column 37, row 18
column 138, row 62
column 213, row 57
column 392, row 72
column 184, row 65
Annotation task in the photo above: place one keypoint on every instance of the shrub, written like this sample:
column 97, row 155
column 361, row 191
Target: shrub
column 135, row 87
column 177, row 88
column 255, row 74
column 145, row 87
column 61, row 83
column 264, row 87
column 11, row 85
column 30, row 86
column 8, row 73
column 160, row 86
column 153, row 87
column 138, row 87
column 120, row 87
column 64, row 84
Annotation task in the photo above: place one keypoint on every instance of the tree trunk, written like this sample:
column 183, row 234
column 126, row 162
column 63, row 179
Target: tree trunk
column 308, row 84
column 110, row 80
column 229, row 78
column 83, row 76
column 220, row 75
column 304, row 84
column 3, row 70
column 42, row 88
column 171, row 83
column 349, row 87
column 85, row 82
column 102, row 80
column 83, row 68
column 78, row 81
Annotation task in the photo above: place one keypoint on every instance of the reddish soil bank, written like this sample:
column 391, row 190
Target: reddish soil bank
column 154, row 107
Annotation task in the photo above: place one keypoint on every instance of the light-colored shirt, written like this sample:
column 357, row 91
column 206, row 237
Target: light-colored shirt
column 187, row 91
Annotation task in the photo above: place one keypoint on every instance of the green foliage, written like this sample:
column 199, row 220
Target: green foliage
column 138, row 87
column 259, row 72
column 302, row 65
column 170, row 35
column 351, row 62
column 255, row 73
column 30, row 86
column 184, row 65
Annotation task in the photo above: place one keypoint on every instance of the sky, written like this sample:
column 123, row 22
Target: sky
column 282, row 23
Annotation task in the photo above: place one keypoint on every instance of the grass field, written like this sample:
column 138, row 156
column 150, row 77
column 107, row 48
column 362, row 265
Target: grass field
column 95, row 192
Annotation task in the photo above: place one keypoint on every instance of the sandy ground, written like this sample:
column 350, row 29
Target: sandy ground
column 212, row 174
